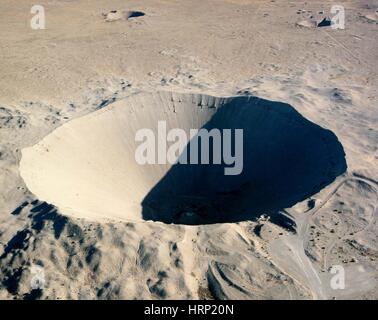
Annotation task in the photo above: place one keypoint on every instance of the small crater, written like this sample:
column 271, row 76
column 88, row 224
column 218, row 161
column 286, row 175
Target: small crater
column 116, row 15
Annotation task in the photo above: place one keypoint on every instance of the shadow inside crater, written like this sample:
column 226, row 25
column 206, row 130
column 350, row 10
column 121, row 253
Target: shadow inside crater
column 286, row 159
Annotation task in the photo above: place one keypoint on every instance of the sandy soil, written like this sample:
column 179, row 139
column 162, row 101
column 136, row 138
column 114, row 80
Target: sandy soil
column 87, row 61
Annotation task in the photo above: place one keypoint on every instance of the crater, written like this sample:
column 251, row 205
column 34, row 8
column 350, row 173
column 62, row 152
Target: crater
column 116, row 15
column 87, row 167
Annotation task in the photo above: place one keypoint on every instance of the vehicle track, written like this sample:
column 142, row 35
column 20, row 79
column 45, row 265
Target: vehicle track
column 298, row 242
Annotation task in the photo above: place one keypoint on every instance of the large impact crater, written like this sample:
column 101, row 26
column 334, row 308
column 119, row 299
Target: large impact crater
column 87, row 167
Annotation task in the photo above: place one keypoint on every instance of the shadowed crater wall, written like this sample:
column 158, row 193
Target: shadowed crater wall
column 87, row 167
column 286, row 159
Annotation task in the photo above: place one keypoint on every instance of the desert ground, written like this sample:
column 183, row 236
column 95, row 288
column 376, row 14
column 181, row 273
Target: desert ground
column 73, row 94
